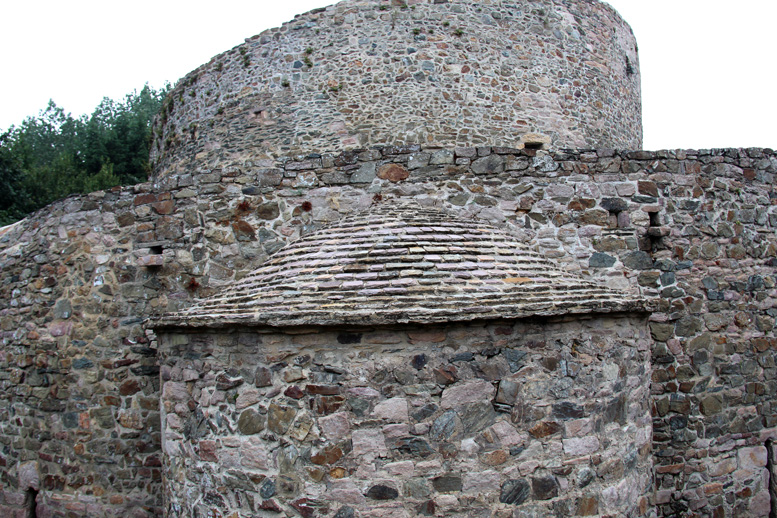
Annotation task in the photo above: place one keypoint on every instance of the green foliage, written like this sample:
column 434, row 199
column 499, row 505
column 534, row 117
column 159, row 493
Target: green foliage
column 55, row 154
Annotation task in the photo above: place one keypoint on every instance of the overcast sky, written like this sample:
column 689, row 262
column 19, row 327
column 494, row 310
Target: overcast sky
column 708, row 66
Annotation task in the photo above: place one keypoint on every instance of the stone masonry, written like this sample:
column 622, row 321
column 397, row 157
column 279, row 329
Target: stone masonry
column 82, row 405
column 80, row 376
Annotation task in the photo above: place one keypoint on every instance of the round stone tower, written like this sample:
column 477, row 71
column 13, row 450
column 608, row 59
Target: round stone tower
column 361, row 73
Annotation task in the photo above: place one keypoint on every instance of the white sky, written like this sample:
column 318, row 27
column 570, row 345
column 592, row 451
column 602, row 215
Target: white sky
column 708, row 66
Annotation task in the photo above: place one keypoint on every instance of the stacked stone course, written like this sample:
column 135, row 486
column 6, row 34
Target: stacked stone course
column 79, row 376
column 369, row 72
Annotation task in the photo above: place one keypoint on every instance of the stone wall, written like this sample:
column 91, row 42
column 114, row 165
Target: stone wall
column 79, row 383
column 429, row 72
column 464, row 420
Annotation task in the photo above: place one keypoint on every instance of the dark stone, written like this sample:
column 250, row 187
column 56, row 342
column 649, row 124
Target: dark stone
column 668, row 278
column 381, row 492
column 614, row 205
column 268, row 211
column 251, row 422
column 585, row 477
column 225, row 382
column 294, row 392
column 568, row 410
column 514, row 358
column 145, row 370
column 476, row 417
column 463, row 357
column 267, row 489
column 70, row 419
column 492, row 164
column 447, row 483
column 349, row 338
column 638, row 261
column 641, row 198
column 196, row 426
column 688, row 326
column 507, row 392
column 427, row 508
column 443, row 427
column 600, row 260
column 544, row 488
column 322, row 390
column 414, row 446
column 515, row 491
column 305, row 507
column 263, row 377
column 422, row 413
column 82, row 363
column 345, row 512
column 419, row 361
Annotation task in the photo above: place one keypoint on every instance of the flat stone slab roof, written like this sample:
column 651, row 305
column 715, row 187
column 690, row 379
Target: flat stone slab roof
column 402, row 263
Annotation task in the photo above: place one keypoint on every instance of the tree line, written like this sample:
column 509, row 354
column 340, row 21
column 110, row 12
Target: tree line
column 54, row 154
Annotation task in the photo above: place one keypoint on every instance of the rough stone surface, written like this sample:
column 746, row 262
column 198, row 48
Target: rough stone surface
column 458, row 449
column 558, row 74
column 81, row 379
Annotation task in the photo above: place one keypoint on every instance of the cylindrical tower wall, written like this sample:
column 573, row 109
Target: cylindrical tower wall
column 369, row 72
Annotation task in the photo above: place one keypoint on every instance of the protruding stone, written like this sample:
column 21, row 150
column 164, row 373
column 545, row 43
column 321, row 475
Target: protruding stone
column 382, row 492
column 515, row 491
column 393, row 173
column 251, row 422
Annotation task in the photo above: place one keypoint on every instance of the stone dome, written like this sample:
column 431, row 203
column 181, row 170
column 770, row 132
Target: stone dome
column 401, row 263
column 551, row 73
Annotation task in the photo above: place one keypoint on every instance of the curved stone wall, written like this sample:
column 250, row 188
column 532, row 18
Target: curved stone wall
column 360, row 73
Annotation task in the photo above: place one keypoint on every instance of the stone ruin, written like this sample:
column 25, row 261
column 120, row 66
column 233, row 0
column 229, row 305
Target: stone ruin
column 401, row 259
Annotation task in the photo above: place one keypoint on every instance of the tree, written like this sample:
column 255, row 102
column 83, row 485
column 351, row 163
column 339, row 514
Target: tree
column 55, row 154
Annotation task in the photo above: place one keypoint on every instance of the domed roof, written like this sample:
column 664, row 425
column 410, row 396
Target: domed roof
column 401, row 263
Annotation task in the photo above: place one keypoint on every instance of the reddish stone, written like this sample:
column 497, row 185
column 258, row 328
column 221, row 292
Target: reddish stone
column 393, row 173
column 323, row 390
column 587, row 505
column 243, row 230
column 143, row 199
column 495, row 458
column 544, row 429
column 304, row 507
column 294, row 392
column 427, row 336
column 164, row 207
column 445, row 375
column 129, row 387
column 327, row 456
column 326, row 405
column 208, row 451
column 270, row 505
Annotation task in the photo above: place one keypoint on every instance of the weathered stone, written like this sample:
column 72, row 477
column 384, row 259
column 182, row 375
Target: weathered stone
column 567, row 410
column 515, row 491
column 279, row 418
column 447, row 483
column 251, row 422
column 382, row 492
column 443, row 427
column 544, row 429
column 476, row 417
column 492, row 164
column 393, row 173
column 468, row 392
column 544, row 488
